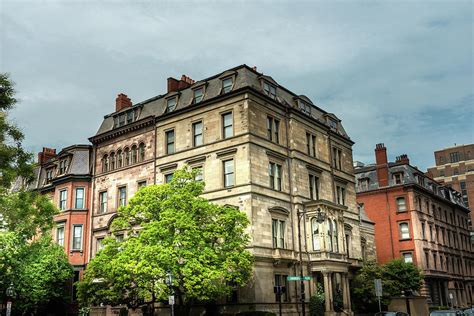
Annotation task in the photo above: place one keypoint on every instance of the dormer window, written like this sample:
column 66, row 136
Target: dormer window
column 130, row 117
column 49, row 175
column 198, row 95
column 127, row 117
column 269, row 89
column 227, row 84
column 303, row 106
column 121, row 119
column 332, row 124
column 398, row 177
column 63, row 166
column 363, row 184
column 171, row 104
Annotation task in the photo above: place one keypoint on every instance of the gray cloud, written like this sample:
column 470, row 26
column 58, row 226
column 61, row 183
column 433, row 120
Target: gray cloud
column 394, row 72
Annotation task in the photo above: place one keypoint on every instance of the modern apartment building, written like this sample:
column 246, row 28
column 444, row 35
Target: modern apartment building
column 274, row 154
column 66, row 178
column 422, row 221
column 455, row 168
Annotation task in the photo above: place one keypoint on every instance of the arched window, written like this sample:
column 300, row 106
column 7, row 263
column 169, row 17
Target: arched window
column 112, row 161
column 134, row 154
column 127, row 156
column 105, row 163
column 315, row 233
column 401, row 205
column 142, row 151
column 335, row 236
column 329, row 235
column 119, row 159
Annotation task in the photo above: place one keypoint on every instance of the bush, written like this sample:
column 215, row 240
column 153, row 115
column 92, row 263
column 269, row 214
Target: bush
column 316, row 302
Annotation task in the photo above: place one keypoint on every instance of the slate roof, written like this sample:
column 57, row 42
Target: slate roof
column 244, row 77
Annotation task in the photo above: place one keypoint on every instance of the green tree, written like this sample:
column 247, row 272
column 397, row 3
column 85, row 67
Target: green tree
column 397, row 278
column 36, row 267
column 171, row 230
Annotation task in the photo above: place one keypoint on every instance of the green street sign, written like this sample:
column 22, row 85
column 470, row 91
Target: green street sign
column 298, row 278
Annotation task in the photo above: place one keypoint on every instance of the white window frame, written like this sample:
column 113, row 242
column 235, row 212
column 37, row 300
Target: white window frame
column 83, row 197
column 73, row 226
column 60, row 227
column 62, row 206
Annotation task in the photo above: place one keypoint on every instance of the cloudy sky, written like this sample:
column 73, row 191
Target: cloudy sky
column 400, row 73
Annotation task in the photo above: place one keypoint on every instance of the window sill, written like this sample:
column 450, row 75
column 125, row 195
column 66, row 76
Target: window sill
column 404, row 239
column 76, row 250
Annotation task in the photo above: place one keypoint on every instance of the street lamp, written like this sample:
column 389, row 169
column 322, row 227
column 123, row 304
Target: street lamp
column 320, row 217
column 10, row 292
column 169, row 282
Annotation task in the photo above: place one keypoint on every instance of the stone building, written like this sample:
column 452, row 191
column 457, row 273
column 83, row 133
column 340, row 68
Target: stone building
column 422, row 221
column 274, row 154
column 455, row 168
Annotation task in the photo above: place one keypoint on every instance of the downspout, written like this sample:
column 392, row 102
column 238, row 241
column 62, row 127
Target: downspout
column 290, row 184
column 91, row 206
column 390, row 223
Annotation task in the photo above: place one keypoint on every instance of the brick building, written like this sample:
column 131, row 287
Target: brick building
column 421, row 221
column 66, row 178
column 455, row 168
column 260, row 147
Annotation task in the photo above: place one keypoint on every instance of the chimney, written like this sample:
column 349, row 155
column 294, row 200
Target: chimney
column 46, row 155
column 175, row 84
column 403, row 159
column 122, row 102
column 382, row 164
column 254, row 68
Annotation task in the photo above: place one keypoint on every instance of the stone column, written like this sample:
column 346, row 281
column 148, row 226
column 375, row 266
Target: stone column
column 346, row 294
column 327, row 291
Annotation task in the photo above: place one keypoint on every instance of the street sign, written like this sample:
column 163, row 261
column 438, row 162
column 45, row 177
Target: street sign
column 9, row 308
column 171, row 299
column 298, row 278
column 378, row 287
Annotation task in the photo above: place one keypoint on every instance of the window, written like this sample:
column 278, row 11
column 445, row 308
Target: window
column 278, row 233
column 313, row 187
column 105, row 163
column 127, row 156
column 456, row 171
column 435, row 264
column 141, row 184
column 401, row 204
column 170, row 104
column 227, row 84
column 141, row 150
column 168, row 177
column 170, row 142
column 62, row 199
column 407, row 257
column 404, row 231
column 441, row 173
column 63, row 166
column 311, row 144
column 129, row 117
column 198, row 95
column 337, row 158
column 49, row 175
column 79, row 203
column 76, row 237
column 332, row 235
column 304, row 107
column 332, row 124
column 227, row 125
column 274, row 173
column 134, row 154
column 273, row 129
column 269, row 90
column 281, row 280
column 112, row 161
column 454, row 157
column 197, row 134
column 99, row 244
column 427, row 259
column 423, row 233
column 340, row 195
column 228, row 172
column 363, row 184
column 103, row 202
column 398, row 177
column 122, row 196
column 121, row 119
column 315, row 233
column 199, row 174
column 60, row 235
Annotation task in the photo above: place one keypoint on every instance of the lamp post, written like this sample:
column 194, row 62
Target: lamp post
column 169, row 282
column 320, row 217
column 10, row 292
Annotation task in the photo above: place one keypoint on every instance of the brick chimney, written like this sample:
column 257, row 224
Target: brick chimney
column 382, row 164
column 122, row 102
column 46, row 155
column 403, row 159
column 175, row 84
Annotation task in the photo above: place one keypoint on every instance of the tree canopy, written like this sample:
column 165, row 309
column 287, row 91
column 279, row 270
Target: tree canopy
column 29, row 260
column 170, row 230
column 398, row 277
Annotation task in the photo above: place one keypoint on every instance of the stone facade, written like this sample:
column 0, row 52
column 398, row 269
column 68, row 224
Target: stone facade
column 269, row 143
column 422, row 221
